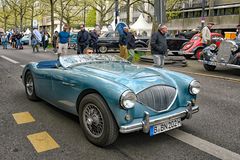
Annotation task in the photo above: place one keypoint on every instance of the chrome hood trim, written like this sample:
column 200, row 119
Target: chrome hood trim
column 158, row 98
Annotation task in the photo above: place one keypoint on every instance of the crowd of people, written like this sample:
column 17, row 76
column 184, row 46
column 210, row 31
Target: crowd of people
column 87, row 40
column 12, row 38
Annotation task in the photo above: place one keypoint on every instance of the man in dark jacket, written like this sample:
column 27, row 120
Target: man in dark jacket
column 159, row 45
column 83, row 38
column 93, row 40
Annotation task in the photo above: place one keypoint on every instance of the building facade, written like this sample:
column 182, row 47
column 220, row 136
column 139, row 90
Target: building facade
column 224, row 13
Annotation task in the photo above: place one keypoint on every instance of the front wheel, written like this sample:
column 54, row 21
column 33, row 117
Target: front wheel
column 103, row 49
column 209, row 67
column 187, row 56
column 97, row 121
column 198, row 53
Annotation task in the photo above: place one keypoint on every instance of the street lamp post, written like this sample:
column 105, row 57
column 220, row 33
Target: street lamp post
column 84, row 13
column 116, row 12
column 160, row 11
column 203, row 12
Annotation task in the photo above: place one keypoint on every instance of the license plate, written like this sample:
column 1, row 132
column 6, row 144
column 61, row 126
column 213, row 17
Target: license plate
column 165, row 126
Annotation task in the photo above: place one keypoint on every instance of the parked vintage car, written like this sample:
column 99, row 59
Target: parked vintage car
column 110, row 40
column 25, row 39
column 227, row 55
column 194, row 47
column 111, row 95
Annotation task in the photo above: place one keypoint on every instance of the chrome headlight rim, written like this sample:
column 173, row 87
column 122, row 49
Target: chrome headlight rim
column 234, row 48
column 194, row 87
column 128, row 99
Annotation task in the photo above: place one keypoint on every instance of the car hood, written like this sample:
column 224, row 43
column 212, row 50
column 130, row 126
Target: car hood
column 134, row 77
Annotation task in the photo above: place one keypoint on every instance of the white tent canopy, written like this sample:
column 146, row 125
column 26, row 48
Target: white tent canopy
column 113, row 24
column 57, row 28
column 141, row 25
column 27, row 31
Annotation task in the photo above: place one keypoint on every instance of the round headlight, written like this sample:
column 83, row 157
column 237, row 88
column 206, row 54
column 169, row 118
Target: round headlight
column 194, row 87
column 234, row 48
column 128, row 99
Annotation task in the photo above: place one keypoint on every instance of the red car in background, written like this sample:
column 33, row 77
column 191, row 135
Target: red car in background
column 194, row 47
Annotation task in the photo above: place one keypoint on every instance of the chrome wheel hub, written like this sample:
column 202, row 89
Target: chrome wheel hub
column 93, row 120
column 29, row 86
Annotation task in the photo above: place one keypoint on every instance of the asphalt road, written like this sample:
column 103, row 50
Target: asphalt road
column 212, row 133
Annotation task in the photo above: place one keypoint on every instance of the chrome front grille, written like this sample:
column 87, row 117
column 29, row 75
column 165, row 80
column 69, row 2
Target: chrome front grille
column 159, row 98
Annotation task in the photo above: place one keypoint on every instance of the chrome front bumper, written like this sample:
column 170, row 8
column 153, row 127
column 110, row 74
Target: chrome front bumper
column 145, row 124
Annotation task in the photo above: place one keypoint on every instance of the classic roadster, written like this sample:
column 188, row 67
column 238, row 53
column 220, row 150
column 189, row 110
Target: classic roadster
column 111, row 95
column 227, row 55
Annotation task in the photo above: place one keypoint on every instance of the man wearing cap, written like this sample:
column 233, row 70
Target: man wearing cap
column 159, row 45
column 63, row 39
column 206, row 34
column 238, row 32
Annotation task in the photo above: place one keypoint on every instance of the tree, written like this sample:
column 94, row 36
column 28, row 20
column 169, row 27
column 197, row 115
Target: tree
column 91, row 18
column 69, row 11
column 103, row 8
column 35, row 9
column 50, row 3
column 171, row 11
column 5, row 14
column 128, row 4
column 20, row 8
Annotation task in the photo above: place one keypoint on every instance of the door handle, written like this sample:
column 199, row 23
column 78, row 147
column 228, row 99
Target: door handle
column 68, row 84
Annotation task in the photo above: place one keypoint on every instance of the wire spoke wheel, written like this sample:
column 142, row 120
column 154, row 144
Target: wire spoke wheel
column 29, row 85
column 97, row 121
column 93, row 120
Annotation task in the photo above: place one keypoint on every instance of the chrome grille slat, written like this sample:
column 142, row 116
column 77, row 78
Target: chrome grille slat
column 158, row 98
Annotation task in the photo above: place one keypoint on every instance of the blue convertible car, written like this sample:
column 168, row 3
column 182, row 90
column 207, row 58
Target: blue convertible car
column 111, row 95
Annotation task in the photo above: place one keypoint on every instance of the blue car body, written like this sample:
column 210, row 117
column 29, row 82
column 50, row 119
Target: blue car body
column 73, row 40
column 63, row 84
column 25, row 39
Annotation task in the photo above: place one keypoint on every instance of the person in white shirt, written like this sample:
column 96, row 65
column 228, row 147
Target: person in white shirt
column 206, row 34
column 238, row 32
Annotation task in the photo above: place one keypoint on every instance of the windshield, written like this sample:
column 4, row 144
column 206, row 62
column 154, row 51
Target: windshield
column 196, row 37
column 74, row 60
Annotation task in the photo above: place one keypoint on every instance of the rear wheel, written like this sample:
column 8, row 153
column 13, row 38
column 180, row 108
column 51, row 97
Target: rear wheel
column 187, row 56
column 29, row 87
column 209, row 67
column 97, row 121
column 139, row 46
column 198, row 53
column 103, row 49
column 175, row 53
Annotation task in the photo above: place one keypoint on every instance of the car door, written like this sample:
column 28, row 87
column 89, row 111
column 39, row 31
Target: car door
column 43, row 83
column 113, row 40
column 65, row 90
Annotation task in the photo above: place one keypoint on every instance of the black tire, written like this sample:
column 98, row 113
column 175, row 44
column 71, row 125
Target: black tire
column 30, row 87
column 197, row 53
column 175, row 53
column 139, row 46
column 209, row 67
column 97, row 121
column 188, row 56
column 103, row 49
